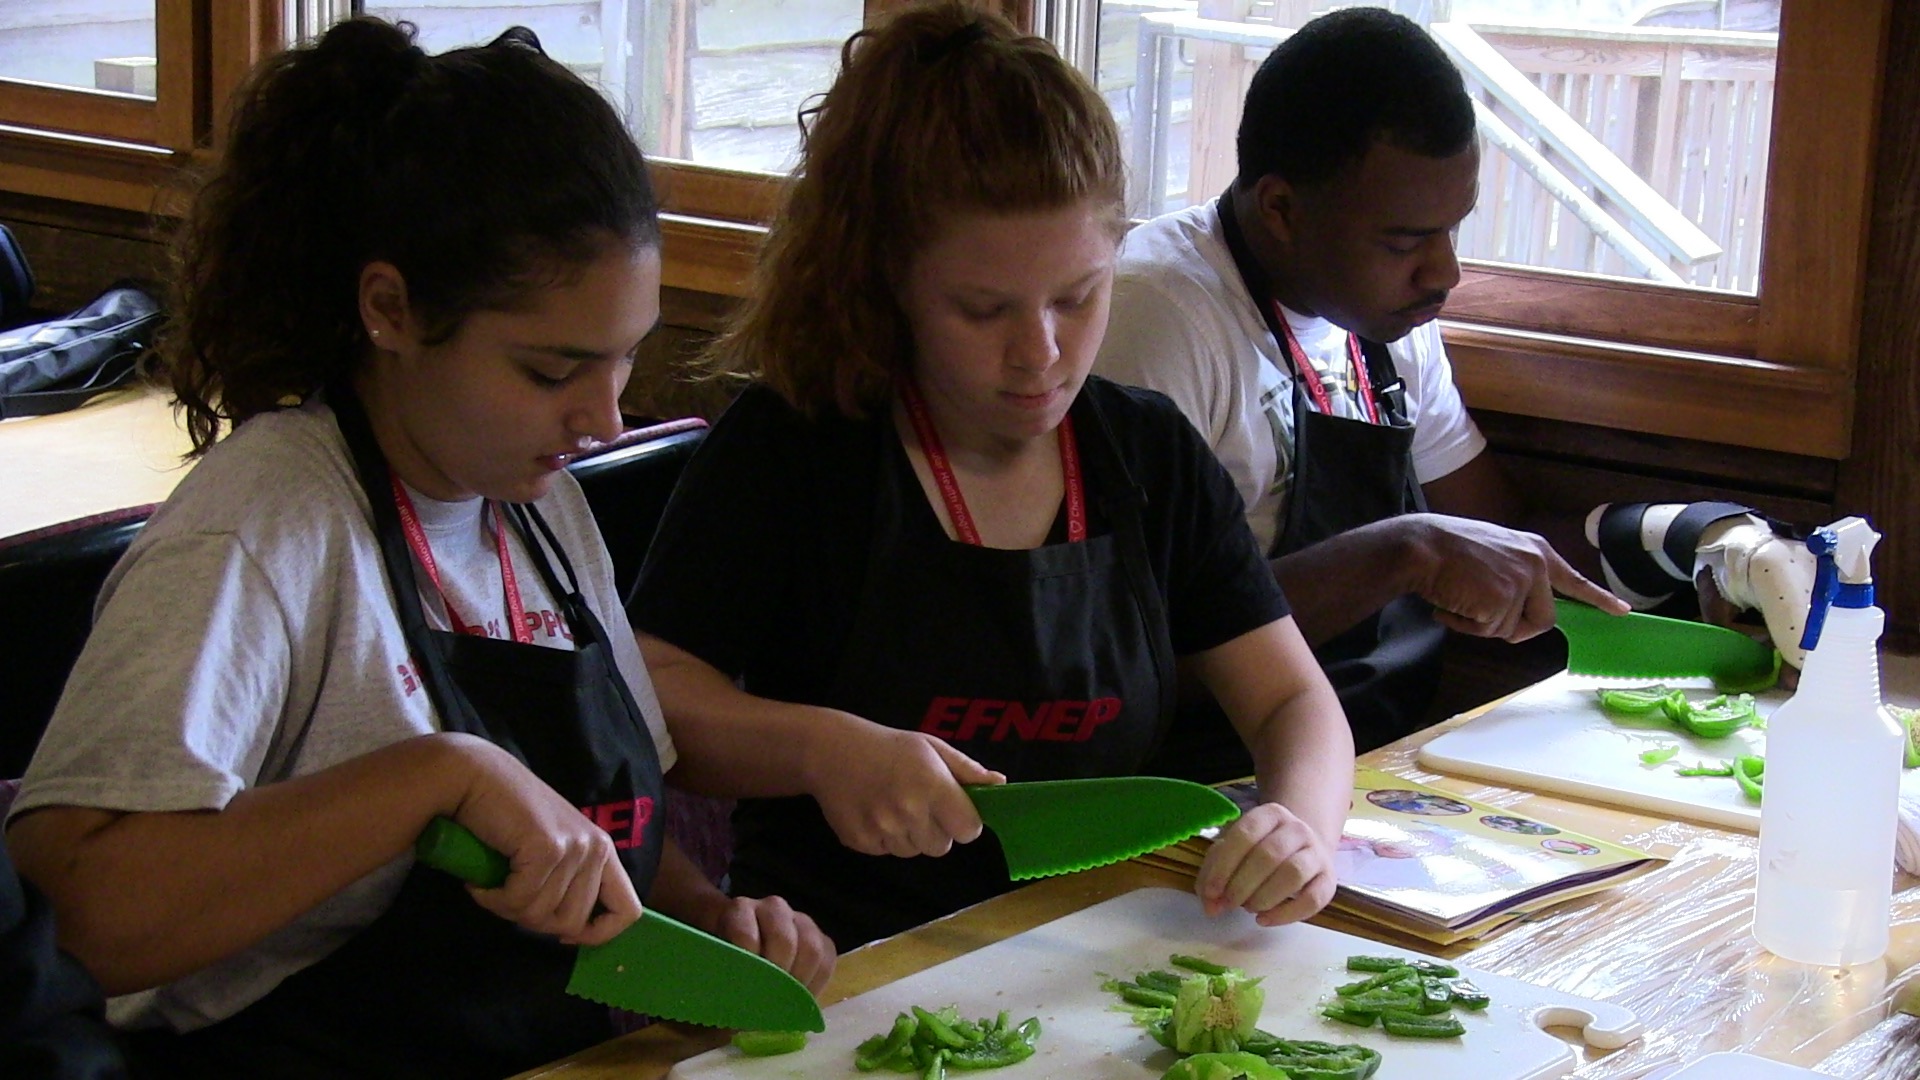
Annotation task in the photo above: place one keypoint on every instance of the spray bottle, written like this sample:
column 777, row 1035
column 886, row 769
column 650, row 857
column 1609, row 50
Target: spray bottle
column 1832, row 775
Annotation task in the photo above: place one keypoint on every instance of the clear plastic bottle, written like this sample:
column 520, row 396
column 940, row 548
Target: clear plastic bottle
column 1832, row 786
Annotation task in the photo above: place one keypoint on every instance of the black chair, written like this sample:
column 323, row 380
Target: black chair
column 627, row 482
column 48, row 582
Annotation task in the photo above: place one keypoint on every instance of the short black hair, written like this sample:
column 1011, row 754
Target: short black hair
column 1342, row 82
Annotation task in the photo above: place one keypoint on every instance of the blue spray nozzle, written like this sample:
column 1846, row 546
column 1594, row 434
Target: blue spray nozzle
column 1843, row 572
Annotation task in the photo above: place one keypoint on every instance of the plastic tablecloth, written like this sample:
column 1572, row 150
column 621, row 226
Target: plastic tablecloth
column 1677, row 947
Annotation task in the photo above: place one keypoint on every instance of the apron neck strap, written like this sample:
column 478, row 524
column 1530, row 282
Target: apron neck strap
column 1379, row 389
column 949, row 484
column 370, row 465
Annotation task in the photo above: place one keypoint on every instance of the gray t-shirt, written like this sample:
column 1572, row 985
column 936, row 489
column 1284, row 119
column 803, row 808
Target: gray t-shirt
column 249, row 636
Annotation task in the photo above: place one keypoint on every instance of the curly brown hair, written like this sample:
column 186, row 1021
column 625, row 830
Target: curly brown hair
column 944, row 108
column 482, row 174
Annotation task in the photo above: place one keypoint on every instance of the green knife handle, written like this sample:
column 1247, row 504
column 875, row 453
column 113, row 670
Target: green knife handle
column 450, row 846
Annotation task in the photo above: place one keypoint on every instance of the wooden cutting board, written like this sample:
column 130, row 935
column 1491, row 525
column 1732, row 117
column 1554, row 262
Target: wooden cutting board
column 1554, row 737
column 1054, row 972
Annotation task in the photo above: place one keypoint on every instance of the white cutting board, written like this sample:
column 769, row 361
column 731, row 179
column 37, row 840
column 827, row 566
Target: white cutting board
column 1554, row 737
column 1729, row 1066
column 1054, row 972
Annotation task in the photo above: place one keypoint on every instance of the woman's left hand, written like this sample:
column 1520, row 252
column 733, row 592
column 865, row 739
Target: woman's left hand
column 1270, row 863
column 770, row 928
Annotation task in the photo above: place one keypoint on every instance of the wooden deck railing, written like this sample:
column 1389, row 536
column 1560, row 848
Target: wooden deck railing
column 1626, row 151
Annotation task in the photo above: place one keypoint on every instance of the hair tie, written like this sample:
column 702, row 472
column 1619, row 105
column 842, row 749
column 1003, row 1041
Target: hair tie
column 518, row 37
column 961, row 37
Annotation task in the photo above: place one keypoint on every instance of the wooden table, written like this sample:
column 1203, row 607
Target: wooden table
column 1674, row 946
column 120, row 449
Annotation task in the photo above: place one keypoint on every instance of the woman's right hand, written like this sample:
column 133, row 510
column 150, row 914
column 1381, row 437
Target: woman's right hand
column 564, row 877
column 890, row 792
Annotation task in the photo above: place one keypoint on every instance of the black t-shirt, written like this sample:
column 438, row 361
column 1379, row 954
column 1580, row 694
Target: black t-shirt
column 761, row 561
column 760, row 557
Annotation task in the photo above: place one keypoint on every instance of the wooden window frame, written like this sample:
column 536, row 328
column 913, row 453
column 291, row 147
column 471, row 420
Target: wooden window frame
column 1773, row 371
column 123, row 151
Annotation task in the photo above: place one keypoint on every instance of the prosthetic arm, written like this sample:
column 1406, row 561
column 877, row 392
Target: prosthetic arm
column 1651, row 550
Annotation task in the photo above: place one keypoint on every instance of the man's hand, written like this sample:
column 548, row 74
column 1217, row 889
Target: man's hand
column 1491, row 581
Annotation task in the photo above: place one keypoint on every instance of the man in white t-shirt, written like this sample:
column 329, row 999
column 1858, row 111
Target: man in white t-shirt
column 1365, row 479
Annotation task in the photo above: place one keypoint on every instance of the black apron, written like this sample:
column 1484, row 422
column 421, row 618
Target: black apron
column 1346, row 473
column 1050, row 663
column 437, row 986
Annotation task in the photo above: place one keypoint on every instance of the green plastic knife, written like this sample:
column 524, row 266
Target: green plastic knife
column 1059, row 826
column 658, row 966
column 1652, row 647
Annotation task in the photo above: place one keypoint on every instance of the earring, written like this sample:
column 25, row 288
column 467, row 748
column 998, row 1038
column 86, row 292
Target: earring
column 375, row 334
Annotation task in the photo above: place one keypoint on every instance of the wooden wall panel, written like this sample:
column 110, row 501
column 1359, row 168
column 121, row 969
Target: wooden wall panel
column 71, row 266
column 1882, row 478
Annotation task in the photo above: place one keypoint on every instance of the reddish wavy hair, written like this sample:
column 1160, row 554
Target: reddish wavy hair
column 943, row 108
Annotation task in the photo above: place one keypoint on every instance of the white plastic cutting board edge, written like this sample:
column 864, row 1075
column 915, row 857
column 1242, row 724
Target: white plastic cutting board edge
column 1054, row 972
column 1554, row 737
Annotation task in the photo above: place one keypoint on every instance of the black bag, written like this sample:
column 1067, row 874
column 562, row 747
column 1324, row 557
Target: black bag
column 52, row 366
column 16, row 280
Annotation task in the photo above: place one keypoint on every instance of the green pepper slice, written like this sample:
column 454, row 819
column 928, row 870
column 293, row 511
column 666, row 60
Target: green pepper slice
column 1634, row 700
column 879, row 1051
column 996, row 1051
column 1659, row 755
column 1749, row 771
column 1140, row 995
column 1399, row 974
column 938, row 1029
column 1422, row 1027
column 771, row 1043
column 1224, row 1066
column 1715, row 718
column 1468, row 996
column 1909, row 719
column 1195, row 963
column 1160, row 980
column 1345, row 1013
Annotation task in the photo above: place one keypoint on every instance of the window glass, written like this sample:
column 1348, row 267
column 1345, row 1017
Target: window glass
column 717, row 82
column 85, row 44
column 1625, row 138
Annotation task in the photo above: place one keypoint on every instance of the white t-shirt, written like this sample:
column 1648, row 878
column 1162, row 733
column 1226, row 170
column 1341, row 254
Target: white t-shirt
column 1184, row 324
column 249, row 636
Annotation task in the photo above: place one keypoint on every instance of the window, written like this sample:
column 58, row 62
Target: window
column 103, row 45
column 715, row 84
column 101, row 101
column 1600, row 175
column 1631, row 145
column 1622, row 266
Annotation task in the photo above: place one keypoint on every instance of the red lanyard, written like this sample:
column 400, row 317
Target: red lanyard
column 417, row 540
column 1308, row 376
column 949, row 485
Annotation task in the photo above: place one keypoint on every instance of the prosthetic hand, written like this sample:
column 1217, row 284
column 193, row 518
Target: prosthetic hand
column 1650, row 550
